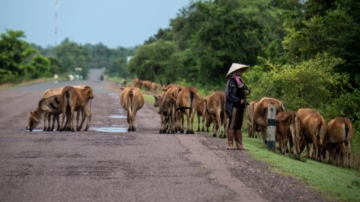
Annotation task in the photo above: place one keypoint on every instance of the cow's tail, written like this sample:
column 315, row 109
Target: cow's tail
column 131, row 103
column 192, row 95
column 321, row 130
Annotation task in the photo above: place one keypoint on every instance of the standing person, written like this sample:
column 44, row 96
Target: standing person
column 235, row 104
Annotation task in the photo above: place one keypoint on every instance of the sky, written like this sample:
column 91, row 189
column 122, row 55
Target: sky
column 114, row 23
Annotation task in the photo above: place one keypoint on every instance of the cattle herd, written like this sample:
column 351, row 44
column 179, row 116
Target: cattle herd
column 294, row 130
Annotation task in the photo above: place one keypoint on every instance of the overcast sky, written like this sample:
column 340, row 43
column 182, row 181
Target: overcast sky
column 114, row 23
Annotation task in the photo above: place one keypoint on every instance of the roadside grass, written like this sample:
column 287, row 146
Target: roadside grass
column 334, row 182
column 7, row 86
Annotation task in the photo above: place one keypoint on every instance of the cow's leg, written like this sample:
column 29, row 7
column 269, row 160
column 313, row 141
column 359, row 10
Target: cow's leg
column 72, row 112
column 133, row 120
column 49, row 121
column 62, row 122
column 86, row 114
column 57, row 117
column 203, row 123
column 78, row 128
column 128, row 120
column 45, row 120
column 225, row 125
column 198, row 118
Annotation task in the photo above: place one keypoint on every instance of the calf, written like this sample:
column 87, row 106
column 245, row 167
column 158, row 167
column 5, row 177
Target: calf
column 132, row 100
column 250, row 114
column 200, row 112
column 216, row 113
column 312, row 126
column 339, row 132
column 46, row 107
column 75, row 99
column 187, row 101
column 260, row 115
column 167, row 109
column 285, row 123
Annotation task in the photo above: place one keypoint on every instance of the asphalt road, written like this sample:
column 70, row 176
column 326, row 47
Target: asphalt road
column 124, row 166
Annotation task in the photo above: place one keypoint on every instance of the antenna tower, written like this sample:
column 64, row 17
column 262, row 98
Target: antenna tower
column 56, row 19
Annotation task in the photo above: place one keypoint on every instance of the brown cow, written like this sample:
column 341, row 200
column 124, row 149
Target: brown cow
column 167, row 109
column 147, row 84
column 339, row 132
column 132, row 100
column 187, row 101
column 76, row 99
column 201, row 112
column 260, row 115
column 216, row 113
column 172, row 90
column 137, row 83
column 46, row 107
column 312, row 126
column 285, row 123
column 250, row 114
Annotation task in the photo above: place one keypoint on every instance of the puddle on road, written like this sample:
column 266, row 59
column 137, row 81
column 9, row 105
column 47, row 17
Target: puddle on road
column 117, row 116
column 109, row 129
column 37, row 130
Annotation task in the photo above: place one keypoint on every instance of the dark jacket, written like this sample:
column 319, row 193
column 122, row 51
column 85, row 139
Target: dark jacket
column 231, row 98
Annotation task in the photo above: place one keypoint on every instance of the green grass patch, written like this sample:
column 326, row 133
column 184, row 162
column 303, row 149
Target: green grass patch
column 334, row 182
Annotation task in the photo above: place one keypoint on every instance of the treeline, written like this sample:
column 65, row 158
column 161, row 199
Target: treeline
column 305, row 53
column 21, row 61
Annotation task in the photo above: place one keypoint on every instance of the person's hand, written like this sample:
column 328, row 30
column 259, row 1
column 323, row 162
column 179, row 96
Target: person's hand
column 242, row 101
column 247, row 92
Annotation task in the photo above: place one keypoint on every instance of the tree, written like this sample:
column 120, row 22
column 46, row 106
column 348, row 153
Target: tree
column 158, row 61
column 15, row 55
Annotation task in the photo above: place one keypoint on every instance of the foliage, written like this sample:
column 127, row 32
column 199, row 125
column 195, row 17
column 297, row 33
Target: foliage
column 19, row 60
column 71, row 55
column 158, row 61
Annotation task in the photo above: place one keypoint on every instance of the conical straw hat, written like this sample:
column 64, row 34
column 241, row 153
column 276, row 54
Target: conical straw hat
column 236, row 66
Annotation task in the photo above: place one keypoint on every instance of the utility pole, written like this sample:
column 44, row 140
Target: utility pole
column 56, row 19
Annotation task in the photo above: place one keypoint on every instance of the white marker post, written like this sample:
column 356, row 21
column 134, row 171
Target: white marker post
column 271, row 127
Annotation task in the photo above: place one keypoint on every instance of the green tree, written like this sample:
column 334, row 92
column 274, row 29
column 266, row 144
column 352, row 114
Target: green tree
column 158, row 61
column 15, row 55
column 71, row 55
column 39, row 67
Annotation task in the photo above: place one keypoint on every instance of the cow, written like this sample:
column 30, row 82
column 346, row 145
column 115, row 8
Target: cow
column 339, row 133
column 167, row 109
column 250, row 114
column 201, row 112
column 285, row 129
column 312, row 126
column 73, row 99
column 154, row 86
column 132, row 100
column 57, row 91
column 186, row 102
column 172, row 89
column 147, row 84
column 215, row 113
column 260, row 115
column 137, row 83
column 46, row 107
